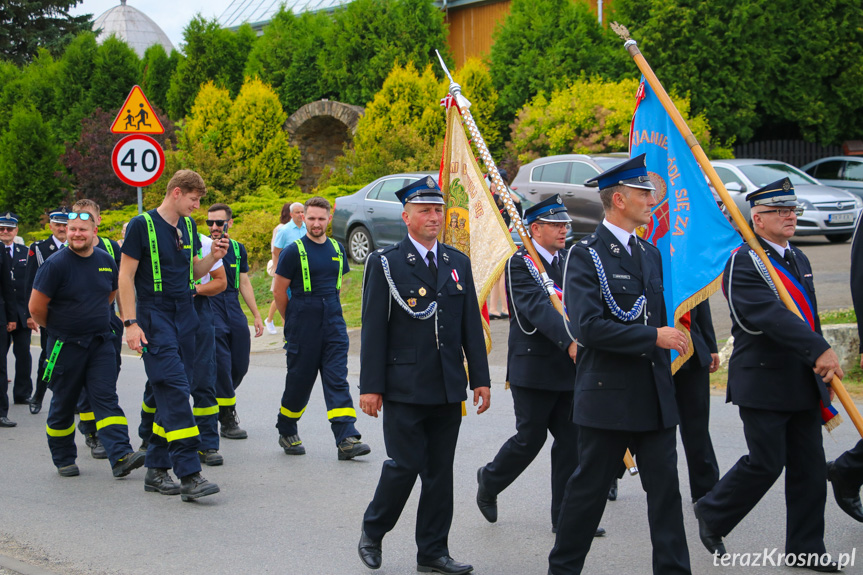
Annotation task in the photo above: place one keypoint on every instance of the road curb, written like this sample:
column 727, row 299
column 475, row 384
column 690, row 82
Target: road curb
column 22, row 568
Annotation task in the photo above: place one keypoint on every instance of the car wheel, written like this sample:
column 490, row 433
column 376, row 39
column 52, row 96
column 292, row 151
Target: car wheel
column 359, row 244
column 838, row 238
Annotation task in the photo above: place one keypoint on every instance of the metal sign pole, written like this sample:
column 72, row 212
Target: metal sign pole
column 140, row 201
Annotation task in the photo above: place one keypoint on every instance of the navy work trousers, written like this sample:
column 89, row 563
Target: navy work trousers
column 233, row 345
column 86, row 363
column 317, row 341
column 170, row 326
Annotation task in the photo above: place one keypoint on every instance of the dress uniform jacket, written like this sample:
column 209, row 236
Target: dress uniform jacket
column 18, row 271
column 774, row 351
column 537, row 355
column 624, row 380
column 407, row 360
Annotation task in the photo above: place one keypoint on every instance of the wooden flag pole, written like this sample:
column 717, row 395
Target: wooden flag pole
column 503, row 191
column 742, row 225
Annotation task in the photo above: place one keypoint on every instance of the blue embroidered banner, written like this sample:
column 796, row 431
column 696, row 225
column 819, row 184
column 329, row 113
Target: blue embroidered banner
column 687, row 226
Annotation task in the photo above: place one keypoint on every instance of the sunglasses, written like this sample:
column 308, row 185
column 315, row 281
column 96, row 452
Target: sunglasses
column 83, row 216
column 785, row 212
column 219, row 223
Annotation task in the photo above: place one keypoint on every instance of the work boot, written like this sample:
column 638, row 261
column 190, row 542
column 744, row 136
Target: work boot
column 144, row 446
column 292, row 444
column 211, row 457
column 68, row 470
column 351, row 447
column 229, row 422
column 97, row 450
column 128, row 463
column 195, row 486
column 159, row 480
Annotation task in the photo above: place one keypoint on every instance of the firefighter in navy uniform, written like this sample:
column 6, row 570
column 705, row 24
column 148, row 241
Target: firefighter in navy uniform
column 69, row 296
column 40, row 251
column 778, row 372
column 19, row 338
column 624, row 394
column 421, row 320
column 233, row 343
column 159, row 266
column 316, row 338
column 87, row 418
column 540, row 367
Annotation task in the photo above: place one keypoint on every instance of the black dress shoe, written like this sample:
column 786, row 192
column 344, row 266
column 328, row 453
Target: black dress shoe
column 370, row 551
column 612, row 491
column 847, row 496
column 831, row 567
column 445, row 564
column 6, row 422
column 486, row 502
column 711, row 540
column 35, row 405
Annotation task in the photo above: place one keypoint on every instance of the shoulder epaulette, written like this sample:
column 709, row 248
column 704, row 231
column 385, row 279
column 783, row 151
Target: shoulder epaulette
column 587, row 241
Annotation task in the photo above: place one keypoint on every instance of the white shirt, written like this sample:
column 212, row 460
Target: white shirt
column 57, row 242
column 206, row 248
column 779, row 249
column 621, row 234
column 424, row 250
column 546, row 255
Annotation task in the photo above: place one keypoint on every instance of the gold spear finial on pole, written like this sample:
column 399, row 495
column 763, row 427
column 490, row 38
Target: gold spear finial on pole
column 621, row 31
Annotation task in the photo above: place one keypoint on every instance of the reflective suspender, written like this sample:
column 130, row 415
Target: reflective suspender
column 108, row 247
column 52, row 360
column 154, row 253
column 304, row 262
column 236, row 246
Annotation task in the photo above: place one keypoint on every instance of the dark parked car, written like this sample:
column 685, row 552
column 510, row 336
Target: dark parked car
column 565, row 175
column 826, row 211
column 843, row 172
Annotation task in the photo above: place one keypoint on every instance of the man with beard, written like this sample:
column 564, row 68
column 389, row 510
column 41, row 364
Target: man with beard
column 82, row 345
column 316, row 338
column 233, row 343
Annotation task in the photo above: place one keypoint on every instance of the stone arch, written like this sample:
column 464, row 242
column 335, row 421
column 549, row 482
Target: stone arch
column 320, row 130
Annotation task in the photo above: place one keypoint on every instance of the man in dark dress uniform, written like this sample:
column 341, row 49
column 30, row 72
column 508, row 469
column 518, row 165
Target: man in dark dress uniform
column 9, row 317
column 692, row 392
column 846, row 473
column 540, row 366
column 624, row 394
column 421, row 320
column 18, row 338
column 71, row 295
column 776, row 376
column 40, row 251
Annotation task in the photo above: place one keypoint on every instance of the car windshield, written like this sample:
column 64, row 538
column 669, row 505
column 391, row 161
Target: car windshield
column 763, row 174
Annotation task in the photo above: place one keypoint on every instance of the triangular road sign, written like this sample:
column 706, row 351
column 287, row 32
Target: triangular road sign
column 137, row 116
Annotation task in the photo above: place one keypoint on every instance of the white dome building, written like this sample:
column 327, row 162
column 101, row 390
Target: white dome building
column 133, row 27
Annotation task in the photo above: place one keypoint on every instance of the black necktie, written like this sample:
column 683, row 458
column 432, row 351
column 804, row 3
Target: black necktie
column 789, row 261
column 636, row 251
column 432, row 266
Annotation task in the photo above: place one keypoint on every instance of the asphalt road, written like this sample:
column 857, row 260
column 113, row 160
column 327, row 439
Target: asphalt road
column 301, row 515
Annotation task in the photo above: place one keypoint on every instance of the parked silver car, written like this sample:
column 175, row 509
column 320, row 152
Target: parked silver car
column 565, row 175
column 372, row 217
column 843, row 172
column 826, row 211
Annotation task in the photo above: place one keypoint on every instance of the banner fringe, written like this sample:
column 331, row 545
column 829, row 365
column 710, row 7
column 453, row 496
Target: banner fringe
column 687, row 305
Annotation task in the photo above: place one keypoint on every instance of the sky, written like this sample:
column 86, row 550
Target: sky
column 171, row 15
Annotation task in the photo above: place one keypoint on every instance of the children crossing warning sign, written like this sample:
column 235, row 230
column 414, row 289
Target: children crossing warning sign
column 137, row 116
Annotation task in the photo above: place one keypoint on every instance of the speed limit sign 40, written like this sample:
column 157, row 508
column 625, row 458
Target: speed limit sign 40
column 138, row 160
